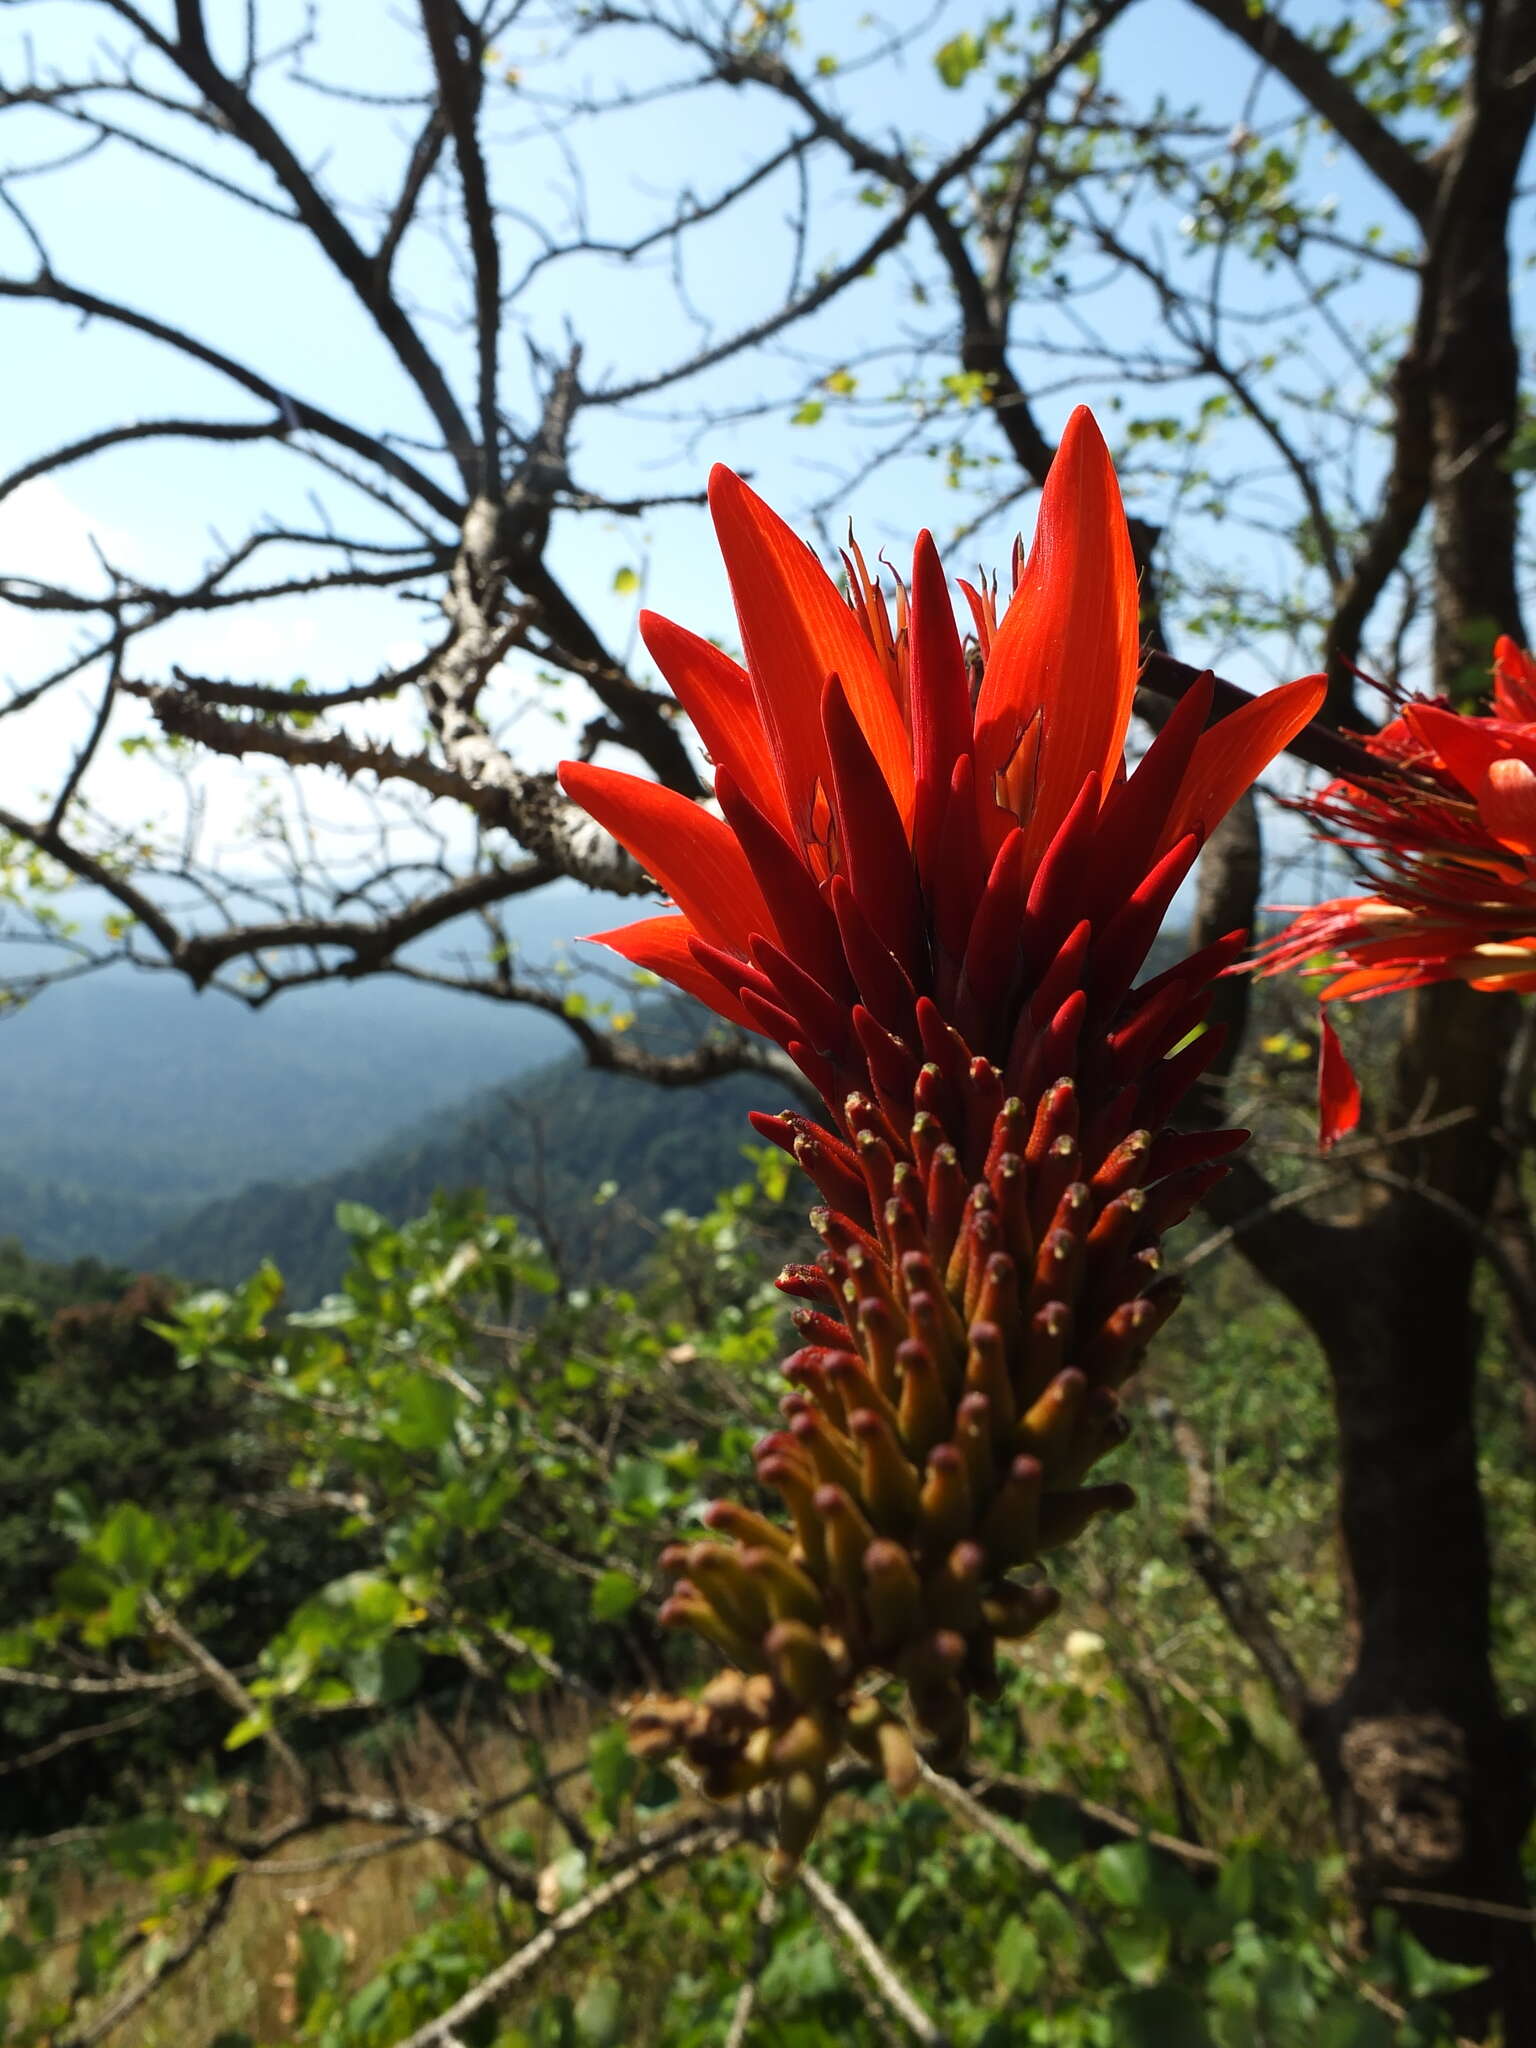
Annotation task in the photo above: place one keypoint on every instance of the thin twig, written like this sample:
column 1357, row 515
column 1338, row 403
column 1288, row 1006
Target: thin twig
column 706, row 1840
column 968, row 1808
column 834, row 1912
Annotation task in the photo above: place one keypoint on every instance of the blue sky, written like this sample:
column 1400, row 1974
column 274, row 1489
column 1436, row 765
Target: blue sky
column 133, row 229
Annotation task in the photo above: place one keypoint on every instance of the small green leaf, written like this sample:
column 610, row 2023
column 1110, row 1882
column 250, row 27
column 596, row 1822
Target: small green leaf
column 600, row 2014
column 1017, row 1960
column 625, row 581
column 613, row 1595
column 249, row 1729
column 613, row 1769
column 807, row 414
column 425, row 1414
column 958, row 58
column 358, row 1220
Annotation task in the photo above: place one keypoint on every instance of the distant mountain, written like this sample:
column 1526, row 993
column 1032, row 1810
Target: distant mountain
column 144, row 1124
column 126, row 1100
column 544, row 1148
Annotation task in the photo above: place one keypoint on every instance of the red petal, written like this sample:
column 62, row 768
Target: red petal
column 1055, row 893
column 940, row 695
column 1469, row 746
column 1068, row 644
column 992, row 952
column 717, row 695
column 797, row 631
column 1131, row 822
column 691, row 852
column 824, row 1021
column 882, row 981
column 1232, row 753
column 1506, row 803
column 876, row 858
column 1514, row 681
column 1338, row 1092
column 794, row 899
column 956, row 882
column 660, row 944
column 1123, row 945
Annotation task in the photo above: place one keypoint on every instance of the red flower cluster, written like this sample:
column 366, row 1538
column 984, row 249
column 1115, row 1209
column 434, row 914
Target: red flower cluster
column 1447, row 834
column 934, row 885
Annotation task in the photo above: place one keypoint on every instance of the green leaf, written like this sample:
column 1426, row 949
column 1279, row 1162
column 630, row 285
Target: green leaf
column 425, row 1413
column 132, row 1543
column 1166, row 2016
column 625, row 580
column 75, row 1513
column 958, row 58
column 808, row 413
column 1426, row 1975
column 613, row 1595
column 600, row 2013
column 359, row 1221
column 249, row 1729
column 641, row 1487
column 83, row 1587
column 613, row 1769
column 1126, row 1873
column 1017, row 1960
column 374, row 1601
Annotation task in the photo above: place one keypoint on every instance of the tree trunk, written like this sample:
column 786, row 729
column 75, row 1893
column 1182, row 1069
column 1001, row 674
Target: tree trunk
column 1432, row 1785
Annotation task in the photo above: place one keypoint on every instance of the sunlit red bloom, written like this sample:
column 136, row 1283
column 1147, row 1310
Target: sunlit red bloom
column 934, row 885
column 1447, row 836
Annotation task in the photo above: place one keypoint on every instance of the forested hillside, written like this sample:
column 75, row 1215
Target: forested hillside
column 546, row 1149
column 127, row 1100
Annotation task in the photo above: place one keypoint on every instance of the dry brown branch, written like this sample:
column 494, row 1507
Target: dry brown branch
column 968, row 1808
column 840, row 1920
column 764, row 1921
column 221, row 1680
column 702, row 1839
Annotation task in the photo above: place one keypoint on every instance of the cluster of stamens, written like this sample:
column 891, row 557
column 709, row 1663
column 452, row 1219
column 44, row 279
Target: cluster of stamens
column 989, row 1281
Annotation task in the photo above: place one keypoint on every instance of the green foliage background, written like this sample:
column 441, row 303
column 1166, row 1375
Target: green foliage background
column 442, row 1491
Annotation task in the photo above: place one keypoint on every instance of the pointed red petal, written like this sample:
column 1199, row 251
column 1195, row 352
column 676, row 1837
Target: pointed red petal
column 1069, row 644
column 876, row 858
column 661, row 945
column 1233, row 753
column 824, row 1021
column 957, row 879
column 1120, row 949
column 941, row 698
column 1132, row 820
column 1338, row 1092
column 797, row 631
column 1514, row 681
column 992, row 953
column 1054, row 905
column 692, row 853
column 882, row 981
column 717, row 695
column 794, row 898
